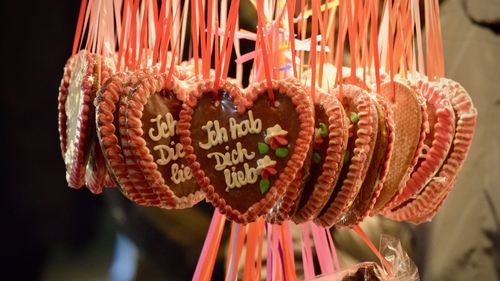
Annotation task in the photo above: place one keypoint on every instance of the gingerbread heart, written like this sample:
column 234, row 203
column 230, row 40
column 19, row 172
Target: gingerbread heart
column 410, row 122
column 425, row 205
column 329, row 144
column 378, row 167
column 154, row 156
column 96, row 173
column 245, row 150
column 437, row 142
column 286, row 205
column 63, row 94
column 88, row 71
column 107, row 105
column 363, row 129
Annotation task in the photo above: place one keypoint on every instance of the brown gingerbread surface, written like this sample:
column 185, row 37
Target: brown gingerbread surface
column 245, row 150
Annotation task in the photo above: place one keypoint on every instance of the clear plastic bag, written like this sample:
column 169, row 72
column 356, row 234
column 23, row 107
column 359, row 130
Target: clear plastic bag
column 400, row 266
column 366, row 271
column 403, row 268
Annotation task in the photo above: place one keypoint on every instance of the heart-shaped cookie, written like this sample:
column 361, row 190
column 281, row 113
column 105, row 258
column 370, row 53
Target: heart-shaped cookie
column 426, row 204
column 410, row 123
column 286, row 205
column 109, row 135
column 437, row 142
column 88, row 71
column 61, row 106
column 245, row 150
column 96, row 173
column 329, row 144
column 363, row 129
column 377, row 169
column 154, row 156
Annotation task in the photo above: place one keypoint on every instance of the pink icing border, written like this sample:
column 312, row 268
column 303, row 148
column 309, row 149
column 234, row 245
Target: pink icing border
column 107, row 102
column 418, row 151
column 426, row 205
column 63, row 94
column 441, row 143
column 389, row 123
column 288, row 200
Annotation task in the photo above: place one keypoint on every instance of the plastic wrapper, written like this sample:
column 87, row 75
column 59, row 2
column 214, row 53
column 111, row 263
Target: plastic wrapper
column 400, row 266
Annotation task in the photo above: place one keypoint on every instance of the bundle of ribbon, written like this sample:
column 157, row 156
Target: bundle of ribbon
column 308, row 140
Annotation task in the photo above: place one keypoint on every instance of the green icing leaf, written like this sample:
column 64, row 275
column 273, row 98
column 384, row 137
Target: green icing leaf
column 354, row 117
column 347, row 157
column 263, row 148
column 264, row 185
column 323, row 130
column 281, row 152
column 316, row 157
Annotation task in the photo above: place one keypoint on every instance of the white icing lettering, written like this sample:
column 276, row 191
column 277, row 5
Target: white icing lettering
column 168, row 153
column 236, row 156
column 165, row 129
column 237, row 179
column 181, row 174
column 216, row 134
column 238, row 130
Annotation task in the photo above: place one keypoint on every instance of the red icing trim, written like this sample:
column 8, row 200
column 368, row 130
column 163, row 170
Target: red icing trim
column 142, row 161
column 75, row 167
column 361, row 154
column 337, row 144
column 63, row 94
column 299, row 98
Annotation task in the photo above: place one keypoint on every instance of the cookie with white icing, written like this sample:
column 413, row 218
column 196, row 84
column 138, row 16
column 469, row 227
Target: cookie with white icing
column 246, row 148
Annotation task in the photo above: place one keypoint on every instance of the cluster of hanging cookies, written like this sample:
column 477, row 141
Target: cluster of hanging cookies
column 169, row 139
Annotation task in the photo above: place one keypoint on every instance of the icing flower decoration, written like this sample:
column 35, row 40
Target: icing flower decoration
column 319, row 134
column 351, row 130
column 276, row 136
column 266, row 167
column 318, row 140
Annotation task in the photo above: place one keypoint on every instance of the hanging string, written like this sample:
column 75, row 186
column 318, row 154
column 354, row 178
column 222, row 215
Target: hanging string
column 79, row 26
column 227, row 45
column 265, row 58
column 314, row 42
column 372, row 247
column 290, row 5
column 374, row 43
column 204, row 267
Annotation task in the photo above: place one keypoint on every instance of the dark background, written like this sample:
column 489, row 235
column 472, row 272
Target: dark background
column 38, row 211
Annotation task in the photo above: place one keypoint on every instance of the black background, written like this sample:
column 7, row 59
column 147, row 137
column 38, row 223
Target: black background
column 38, row 210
